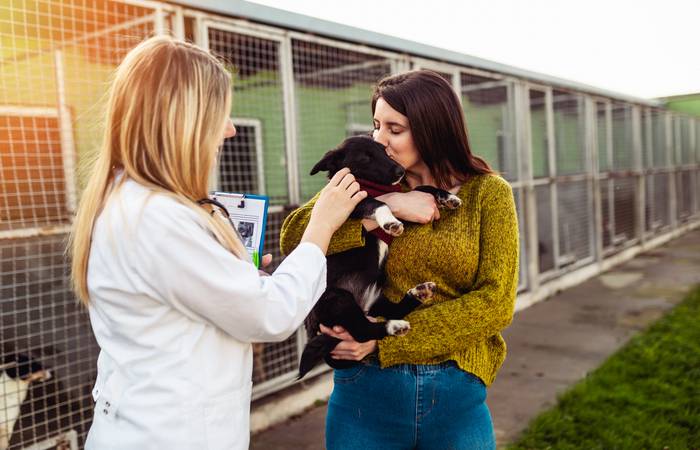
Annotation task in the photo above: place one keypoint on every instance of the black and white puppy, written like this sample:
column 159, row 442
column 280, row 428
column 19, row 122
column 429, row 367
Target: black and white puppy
column 17, row 373
column 356, row 276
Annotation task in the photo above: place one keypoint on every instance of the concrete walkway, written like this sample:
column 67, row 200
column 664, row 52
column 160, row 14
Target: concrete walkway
column 555, row 343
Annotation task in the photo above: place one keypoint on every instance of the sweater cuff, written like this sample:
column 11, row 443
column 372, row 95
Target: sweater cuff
column 350, row 235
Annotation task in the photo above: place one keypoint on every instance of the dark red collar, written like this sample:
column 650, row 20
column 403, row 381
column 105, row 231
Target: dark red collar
column 375, row 190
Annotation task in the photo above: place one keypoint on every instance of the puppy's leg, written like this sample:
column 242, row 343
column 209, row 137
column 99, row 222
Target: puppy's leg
column 371, row 208
column 414, row 297
column 387, row 221
column 363, row 330
column 442, row 197
column 421, row 292
column 339, row 307
column 365, row 209
column 317, row 349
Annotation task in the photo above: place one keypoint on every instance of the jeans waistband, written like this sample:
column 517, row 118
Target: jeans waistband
column 413, row 368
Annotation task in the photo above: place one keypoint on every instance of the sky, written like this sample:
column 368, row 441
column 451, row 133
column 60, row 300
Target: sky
column 643, row 48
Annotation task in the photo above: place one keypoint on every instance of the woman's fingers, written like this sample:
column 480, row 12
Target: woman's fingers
column 346, row 181
column 339, row 175
column 359, row 196
column 337, row 200
column 325, row 330
column 348, row 348
column 354, row 351
column 353, row 188
column 337, row 332
column 436, row 212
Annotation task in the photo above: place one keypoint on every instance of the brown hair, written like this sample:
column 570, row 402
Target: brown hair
column 437, row 124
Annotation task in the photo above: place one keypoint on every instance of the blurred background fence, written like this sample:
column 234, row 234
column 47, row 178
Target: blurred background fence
column 595, row 174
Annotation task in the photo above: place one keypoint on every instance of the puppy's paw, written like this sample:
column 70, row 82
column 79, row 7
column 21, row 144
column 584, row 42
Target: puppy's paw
column 397, row 327
column 423, row 291
column 450, row 202
column 393, row 228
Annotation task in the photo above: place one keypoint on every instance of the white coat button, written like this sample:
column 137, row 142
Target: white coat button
column 105, row 411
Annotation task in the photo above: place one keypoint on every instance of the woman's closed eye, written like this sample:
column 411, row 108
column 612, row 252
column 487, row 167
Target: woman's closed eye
column 394, row 131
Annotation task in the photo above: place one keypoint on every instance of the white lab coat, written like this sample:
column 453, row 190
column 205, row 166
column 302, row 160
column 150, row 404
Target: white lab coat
column 174, row 314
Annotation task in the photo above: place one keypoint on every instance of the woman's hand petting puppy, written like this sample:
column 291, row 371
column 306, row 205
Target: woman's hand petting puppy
column 335, row 203
column 349, row 348
column 338, row 199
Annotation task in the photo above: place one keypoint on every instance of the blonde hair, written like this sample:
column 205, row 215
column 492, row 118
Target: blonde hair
column 165, row 114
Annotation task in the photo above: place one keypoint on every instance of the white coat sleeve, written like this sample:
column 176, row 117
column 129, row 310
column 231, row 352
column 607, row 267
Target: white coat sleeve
column 196, row 275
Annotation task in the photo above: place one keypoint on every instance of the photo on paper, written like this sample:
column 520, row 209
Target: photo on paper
column 247, row 231
column 248, row 216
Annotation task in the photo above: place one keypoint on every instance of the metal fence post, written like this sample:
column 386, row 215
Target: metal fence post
column 592, row 134
column 290, row 119
column 640, row 196
column 524, row 148
column 671, row 139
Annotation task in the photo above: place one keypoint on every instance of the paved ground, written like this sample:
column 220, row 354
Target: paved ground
column 554, row 343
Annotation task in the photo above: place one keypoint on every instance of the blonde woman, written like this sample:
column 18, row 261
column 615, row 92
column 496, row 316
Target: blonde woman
column 174, row 300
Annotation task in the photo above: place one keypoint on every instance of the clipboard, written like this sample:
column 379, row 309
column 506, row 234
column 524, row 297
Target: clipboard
column 248, row 215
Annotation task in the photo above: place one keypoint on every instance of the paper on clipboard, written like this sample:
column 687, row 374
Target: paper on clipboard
column 248, row 213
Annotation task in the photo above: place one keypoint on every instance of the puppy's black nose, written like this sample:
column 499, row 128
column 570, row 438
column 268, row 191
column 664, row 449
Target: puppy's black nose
column 398, row 172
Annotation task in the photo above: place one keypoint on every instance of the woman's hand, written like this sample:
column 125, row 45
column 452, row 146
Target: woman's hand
column 333, row 207
column 337, row 200
column 413, row 206
column 349, row 348
column 266, row 260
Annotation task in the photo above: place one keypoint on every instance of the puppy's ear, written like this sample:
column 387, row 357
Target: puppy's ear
column 327, row 163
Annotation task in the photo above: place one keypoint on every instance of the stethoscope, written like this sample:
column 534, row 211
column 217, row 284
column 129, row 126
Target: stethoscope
column 224, row 212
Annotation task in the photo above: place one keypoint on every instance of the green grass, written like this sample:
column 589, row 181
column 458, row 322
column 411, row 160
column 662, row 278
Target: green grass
column 645, row 396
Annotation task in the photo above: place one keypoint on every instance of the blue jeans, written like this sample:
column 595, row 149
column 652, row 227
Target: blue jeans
column 407, row 406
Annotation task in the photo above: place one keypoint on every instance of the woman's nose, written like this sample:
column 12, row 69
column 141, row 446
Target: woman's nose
column 230, row 130
column 378, row 137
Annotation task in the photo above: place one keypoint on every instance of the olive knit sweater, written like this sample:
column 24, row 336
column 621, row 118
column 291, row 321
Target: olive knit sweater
column 471, row 253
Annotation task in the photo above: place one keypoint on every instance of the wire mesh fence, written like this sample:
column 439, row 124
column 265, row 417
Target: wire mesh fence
column 489, row 110
column 591, row 176
column 56, row 60
column 332, row 87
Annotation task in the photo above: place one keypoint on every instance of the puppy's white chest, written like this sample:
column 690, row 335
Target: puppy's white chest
column 383, row 250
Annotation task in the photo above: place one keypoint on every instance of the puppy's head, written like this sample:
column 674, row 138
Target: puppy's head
column 365, row 158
